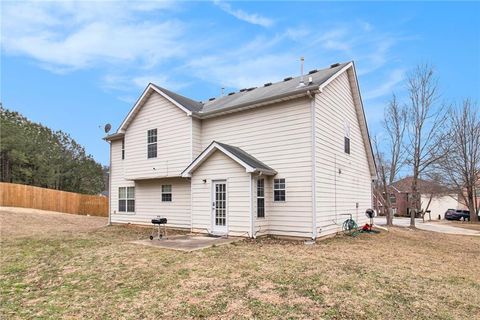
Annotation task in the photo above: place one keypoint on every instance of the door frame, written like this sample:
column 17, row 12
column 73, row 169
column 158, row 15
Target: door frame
column 220, row 230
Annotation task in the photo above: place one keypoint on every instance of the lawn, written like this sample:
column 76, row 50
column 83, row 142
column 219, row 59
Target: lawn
column 66, row 266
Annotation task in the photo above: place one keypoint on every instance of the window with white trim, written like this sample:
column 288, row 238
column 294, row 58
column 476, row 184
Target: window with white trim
column 279, row 190
column 123, row 148
column 261, row 198
column 346, row 140
column 126, row 199
column 167, row 193
column 152, row 143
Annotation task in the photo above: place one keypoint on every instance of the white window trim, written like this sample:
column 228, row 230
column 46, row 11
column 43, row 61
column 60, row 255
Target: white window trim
column 170, row 193
column 264, row 206
column 123, row 148
column 126, row 199
column 150, row 143
column 284, row 189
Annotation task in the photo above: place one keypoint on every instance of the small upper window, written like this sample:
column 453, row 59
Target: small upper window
column 167, row 193
column 279, row 190
column 152, row 143
column 347, row 145
column 123, row 148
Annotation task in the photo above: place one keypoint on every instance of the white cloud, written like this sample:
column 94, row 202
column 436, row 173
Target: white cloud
column 131, row 44
column 243, row 71
column 65, row 36
column 252, row 18
column 119, row 82
column 387, row 86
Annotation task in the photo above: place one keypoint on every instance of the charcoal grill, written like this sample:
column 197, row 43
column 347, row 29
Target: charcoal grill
column 157, row 226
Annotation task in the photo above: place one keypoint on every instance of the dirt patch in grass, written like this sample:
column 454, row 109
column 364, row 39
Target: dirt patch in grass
column 94, row 272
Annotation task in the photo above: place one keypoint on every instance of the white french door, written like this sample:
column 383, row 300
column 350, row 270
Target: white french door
column 219, row 207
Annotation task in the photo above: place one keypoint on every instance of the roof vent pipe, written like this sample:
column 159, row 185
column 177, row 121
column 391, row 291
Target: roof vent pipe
column 302, row 83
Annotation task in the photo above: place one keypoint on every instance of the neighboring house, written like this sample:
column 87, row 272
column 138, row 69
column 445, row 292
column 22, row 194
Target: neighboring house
column 433, row 197
column 290, row 158
column 476, row 193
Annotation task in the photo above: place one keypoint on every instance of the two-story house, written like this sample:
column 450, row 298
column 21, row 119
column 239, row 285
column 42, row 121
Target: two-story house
column 291, row 158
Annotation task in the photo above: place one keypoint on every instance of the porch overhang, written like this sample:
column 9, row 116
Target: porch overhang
column 250, row 163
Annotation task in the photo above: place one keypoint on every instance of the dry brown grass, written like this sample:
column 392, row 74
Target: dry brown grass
column 94, row 272
column 462, row 224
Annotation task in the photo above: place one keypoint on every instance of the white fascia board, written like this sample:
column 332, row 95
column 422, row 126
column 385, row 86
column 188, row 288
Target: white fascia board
column 132, row 111
column 207, row 152
column 163, row 94
column 361, row 114
column 364, row 126
column 140, row 102
column 339, row 72
column 247, row 167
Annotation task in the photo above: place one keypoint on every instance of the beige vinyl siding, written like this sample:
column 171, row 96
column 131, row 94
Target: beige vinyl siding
column 280, row 136
column 338, row 193
column 196, row 137
column 174, row 140
column 261, row 225
column 220, row 167
column 117, row 172
column 148, row 203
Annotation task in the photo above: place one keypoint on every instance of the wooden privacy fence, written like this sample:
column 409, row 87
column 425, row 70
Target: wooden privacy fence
column 20, row 195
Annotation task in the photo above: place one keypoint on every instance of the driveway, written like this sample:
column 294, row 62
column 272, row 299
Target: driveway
column 428, row 226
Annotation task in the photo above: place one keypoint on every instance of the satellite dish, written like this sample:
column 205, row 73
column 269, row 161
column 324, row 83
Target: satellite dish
column 108, row 127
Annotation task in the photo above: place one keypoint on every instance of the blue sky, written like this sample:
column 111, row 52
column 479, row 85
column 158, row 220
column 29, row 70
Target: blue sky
column 75, row 66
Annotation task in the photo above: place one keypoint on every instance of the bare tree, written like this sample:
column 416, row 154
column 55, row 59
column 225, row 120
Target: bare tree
column 426, row 120
column 462, row 166
column 395, row 123
column 390, row 163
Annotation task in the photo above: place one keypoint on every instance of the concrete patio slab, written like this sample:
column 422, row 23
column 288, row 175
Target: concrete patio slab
column 187, row 243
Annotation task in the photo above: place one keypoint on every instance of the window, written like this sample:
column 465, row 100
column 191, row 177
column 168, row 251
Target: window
column 152, row 143
column 123, row 148
column 278, row 189
column 261, row 198
column 346, row 140
column 167, row 193
column 347, row 145
column 126, row 199
column 393, row 198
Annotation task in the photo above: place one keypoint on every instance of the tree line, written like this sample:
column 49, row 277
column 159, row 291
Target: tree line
column 431, row 139
column 33, row 154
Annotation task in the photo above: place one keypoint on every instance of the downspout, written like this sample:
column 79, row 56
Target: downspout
column 252, row 235
column 314, row 165
column 110, row 188
column 191, row 187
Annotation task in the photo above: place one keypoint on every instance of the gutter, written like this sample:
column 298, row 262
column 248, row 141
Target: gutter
column 114, row 136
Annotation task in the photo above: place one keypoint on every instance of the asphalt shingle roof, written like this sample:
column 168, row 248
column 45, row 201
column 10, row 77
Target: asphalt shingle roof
column 246, row 157
column 255, row 95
